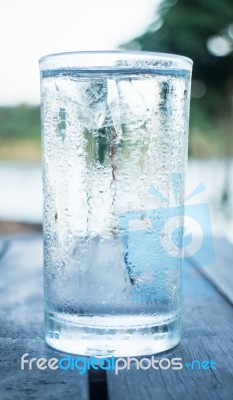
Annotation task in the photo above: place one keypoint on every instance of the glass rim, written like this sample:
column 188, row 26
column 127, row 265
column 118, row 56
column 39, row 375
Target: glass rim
column 102, row 59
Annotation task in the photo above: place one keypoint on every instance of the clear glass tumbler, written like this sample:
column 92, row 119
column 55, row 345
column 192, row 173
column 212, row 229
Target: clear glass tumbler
column 115, row 138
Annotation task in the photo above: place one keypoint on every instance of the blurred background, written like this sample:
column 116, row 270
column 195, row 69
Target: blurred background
column 199, row 29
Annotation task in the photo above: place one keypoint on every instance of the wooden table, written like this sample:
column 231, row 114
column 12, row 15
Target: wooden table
column 207, row 335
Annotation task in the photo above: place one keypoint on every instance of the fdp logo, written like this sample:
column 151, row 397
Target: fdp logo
column 156, row 241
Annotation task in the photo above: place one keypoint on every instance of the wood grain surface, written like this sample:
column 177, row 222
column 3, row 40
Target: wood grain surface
column 207, row 323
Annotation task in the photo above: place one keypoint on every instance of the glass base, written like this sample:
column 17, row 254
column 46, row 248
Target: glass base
column 104, row 339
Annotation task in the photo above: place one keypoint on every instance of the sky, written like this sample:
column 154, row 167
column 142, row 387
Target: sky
column 30, row 29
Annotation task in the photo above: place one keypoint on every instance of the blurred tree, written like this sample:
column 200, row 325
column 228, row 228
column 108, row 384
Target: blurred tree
column 19, row 122
column 20, row 133
column 203, row 31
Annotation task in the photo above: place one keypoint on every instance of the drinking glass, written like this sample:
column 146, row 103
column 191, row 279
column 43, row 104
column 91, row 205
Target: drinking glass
column 115, row 138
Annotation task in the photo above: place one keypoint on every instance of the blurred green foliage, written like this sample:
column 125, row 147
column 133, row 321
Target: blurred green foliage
column 21, row 122
column 203, row 31
column 20, row 133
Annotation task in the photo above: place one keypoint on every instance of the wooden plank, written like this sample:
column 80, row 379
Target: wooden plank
column 21, row 294
column 207, row 335
column 17, row 384
column 220, row 274
column 21, row 328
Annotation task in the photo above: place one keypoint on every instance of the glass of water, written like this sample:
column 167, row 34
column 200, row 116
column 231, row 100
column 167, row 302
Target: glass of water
column 115, row 137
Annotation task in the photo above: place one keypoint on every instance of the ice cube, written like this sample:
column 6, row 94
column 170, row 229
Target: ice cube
column 133, row 107
column 90, row 98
